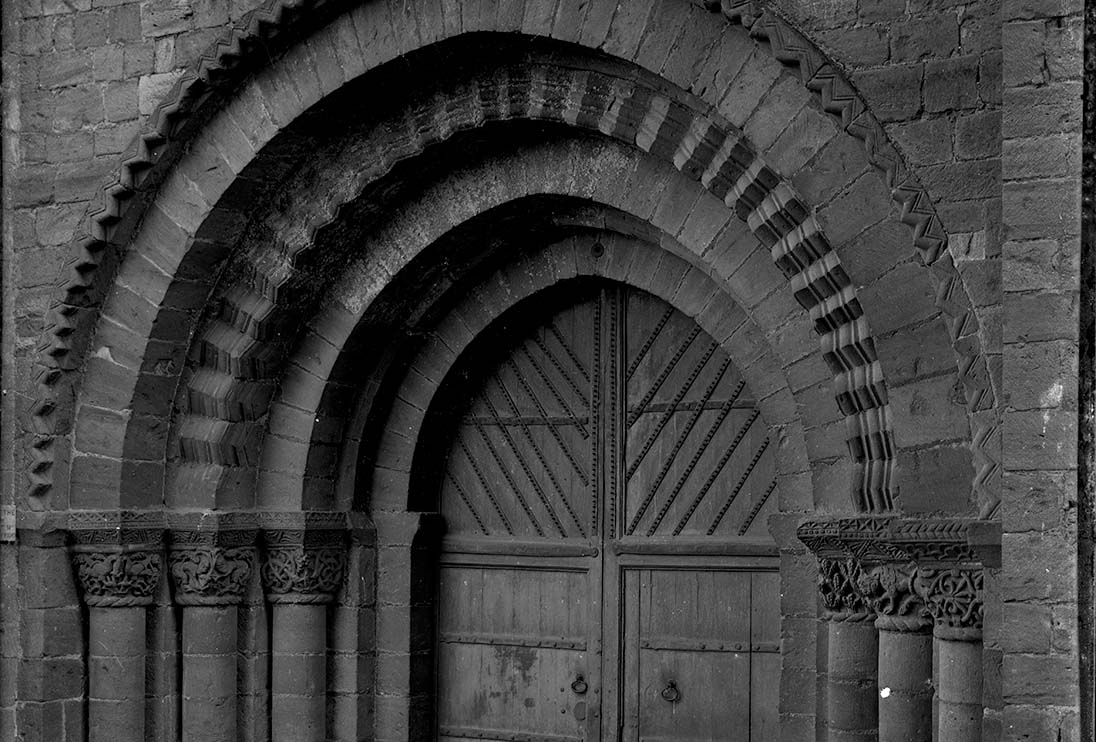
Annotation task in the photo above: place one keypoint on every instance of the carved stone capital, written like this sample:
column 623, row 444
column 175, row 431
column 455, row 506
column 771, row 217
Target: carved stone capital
column 117, row 556
column 119, row 576
column 299, row 574
column 954, row 598
column 888, row 589
column 839, row 586
column 211, row 558
column 210, row 575
column 305, row 557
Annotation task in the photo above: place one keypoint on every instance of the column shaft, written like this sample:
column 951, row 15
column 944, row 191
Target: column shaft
column 853, row 656
column 959, row 685
column 209, row 673
column 116, row 674
column 298, row 673
column 905, row 684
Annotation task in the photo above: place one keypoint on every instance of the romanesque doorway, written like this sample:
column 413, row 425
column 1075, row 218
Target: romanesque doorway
column 606, row 572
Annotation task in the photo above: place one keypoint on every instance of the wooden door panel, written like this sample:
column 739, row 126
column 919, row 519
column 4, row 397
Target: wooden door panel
column 714, row 702
column 504, row 691
column 511, row 644
column 601, row 455
column 703, row 474
column 697, row 460
column 521, row 463
column 690, row 661
column 765, row 656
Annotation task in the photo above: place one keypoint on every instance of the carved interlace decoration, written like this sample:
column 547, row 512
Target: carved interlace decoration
column 838, row 584
column 305, row 558
column 954, row 597
column 211, row 575
column 300, row 574
column 118, row 577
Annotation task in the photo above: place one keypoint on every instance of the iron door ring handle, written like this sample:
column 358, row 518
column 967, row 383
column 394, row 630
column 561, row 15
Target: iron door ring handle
column 579, row 686
column 671, row 693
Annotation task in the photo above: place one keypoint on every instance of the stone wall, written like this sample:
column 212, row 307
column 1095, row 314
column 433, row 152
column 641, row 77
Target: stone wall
column 1041, row 191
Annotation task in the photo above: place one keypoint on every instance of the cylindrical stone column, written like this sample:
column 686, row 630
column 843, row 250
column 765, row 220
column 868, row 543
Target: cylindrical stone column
column 905, row 653
column 852, row 654
column 211, row 568
column 116, row 639
column 118, row 579
column 905, row 680
column 954, row 598
column 959, row 675
column 852, row 658
column 302, row 570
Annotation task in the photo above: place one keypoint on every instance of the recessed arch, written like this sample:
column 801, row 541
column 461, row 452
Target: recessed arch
column 404, row 440
column 138, row 467
column 726, row 174
column 589, row 255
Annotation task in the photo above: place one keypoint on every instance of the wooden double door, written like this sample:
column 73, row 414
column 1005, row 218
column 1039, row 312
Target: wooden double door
column 606, row 573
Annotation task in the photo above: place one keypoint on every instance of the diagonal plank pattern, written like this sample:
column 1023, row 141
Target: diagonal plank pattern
column 618, row 402
column 697, row 462
column 526, row 438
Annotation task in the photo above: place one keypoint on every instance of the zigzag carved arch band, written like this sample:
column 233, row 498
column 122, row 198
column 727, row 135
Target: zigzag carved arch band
column 277, row 25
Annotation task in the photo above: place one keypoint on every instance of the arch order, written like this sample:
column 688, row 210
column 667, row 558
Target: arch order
column 405, row 446
column 618, row 258
column 183, row 201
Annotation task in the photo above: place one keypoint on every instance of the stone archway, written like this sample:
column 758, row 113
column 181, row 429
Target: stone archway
column 406, row 451
column 189, row 394
column 139, row 464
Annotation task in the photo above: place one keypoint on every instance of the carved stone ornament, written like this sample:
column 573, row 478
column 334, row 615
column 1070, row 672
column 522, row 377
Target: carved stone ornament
column 860, row 538
column 888, row 590
column 117, row 555
column 931, row 542
column 211, row 556
column 117, row 577
column 305, row 556
column 953, row 597
column 838, row 584
column 210, row 574
column 303, row 574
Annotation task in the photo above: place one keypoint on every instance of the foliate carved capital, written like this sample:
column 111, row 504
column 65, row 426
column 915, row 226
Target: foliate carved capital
column 839, row 586
column 117, row 577
column 954, row 597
